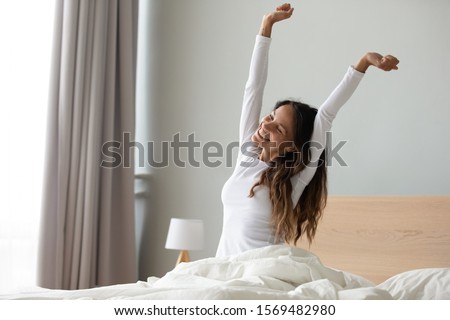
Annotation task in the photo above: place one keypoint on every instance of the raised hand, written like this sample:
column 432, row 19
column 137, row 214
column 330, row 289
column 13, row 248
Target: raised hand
column 386, row 63
column 281, row 13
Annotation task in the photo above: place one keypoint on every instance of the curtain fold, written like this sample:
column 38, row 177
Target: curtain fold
column 87, row 234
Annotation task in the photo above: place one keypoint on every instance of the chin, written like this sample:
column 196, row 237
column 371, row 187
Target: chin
column 263, row 156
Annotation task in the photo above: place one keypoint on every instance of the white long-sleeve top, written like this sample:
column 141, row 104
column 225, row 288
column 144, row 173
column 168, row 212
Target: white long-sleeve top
column 247, row 220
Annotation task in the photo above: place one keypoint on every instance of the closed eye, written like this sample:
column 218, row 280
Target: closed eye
column 280, row 128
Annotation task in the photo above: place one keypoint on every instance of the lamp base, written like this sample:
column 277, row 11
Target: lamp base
column 183, row 257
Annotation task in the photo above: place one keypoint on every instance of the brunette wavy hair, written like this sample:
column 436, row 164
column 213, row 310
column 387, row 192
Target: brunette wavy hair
column 291, row 222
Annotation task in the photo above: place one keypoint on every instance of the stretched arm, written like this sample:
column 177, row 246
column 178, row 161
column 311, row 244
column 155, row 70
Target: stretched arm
column 329, row 109
column 254, row 88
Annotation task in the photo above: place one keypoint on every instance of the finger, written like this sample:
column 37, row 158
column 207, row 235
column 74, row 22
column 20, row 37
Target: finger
column 286, row 14
column 284, row 7
column 388, row 62
column 391, row 59
column 390, row 67
column 384, row 65
column 282, row 15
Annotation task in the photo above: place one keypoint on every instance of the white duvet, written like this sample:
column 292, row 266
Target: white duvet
column 274, row 272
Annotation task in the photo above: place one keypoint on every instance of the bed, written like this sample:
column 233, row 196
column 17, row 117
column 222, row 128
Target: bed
column 365, row 248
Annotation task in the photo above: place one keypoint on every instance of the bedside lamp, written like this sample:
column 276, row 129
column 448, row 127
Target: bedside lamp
column 184, row 235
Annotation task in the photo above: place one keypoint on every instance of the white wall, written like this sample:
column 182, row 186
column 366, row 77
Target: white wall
column 396, row 124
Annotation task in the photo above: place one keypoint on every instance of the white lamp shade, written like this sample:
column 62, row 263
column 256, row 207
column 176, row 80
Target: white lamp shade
column 185, row 234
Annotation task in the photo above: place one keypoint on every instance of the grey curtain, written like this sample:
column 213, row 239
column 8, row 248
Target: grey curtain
column 87, row 234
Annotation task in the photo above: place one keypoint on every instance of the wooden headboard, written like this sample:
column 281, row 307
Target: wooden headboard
column 380, row 236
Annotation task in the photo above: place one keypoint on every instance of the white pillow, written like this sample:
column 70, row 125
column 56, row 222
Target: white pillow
column 419, row 284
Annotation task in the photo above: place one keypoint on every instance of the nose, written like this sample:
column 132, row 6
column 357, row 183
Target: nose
column 268, row 126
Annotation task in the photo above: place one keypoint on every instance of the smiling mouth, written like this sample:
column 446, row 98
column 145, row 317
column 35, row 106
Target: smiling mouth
column 261, row 136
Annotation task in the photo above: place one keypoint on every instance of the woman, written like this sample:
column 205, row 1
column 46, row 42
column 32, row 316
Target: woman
column 280, row 194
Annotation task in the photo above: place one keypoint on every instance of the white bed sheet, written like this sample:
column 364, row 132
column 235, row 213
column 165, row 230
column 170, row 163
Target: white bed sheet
column 423, row 284
column 273, row 272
